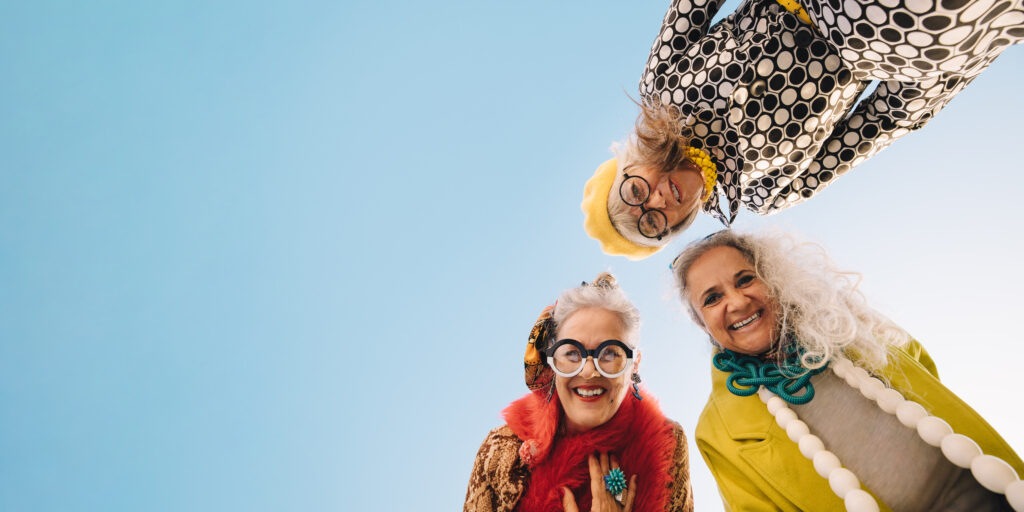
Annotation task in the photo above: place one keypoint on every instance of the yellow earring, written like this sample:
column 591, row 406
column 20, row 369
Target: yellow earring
column 707, row 169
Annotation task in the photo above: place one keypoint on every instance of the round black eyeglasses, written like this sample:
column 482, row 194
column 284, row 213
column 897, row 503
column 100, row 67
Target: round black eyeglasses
column 567, row 357
column 635, row 191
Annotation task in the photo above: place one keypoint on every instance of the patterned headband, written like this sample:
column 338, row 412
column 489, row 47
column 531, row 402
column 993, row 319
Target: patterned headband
column 538, row 374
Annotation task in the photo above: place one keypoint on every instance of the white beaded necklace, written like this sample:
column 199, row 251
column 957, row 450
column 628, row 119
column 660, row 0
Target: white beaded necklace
column 991, row 472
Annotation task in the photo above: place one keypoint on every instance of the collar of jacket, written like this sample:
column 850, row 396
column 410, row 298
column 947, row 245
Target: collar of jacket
column 766, row 447
column 710, row 133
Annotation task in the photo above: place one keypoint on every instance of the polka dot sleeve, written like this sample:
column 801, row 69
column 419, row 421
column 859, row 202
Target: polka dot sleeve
column 773, row 99
column 893, row 110
column 685, row 23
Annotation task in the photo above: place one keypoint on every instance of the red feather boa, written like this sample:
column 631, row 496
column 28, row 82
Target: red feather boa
column 639, row 435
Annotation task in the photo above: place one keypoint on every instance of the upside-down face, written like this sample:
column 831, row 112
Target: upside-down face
column 674, row 193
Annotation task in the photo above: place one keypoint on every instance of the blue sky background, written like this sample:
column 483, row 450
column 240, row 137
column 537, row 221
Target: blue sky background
column 257, row 256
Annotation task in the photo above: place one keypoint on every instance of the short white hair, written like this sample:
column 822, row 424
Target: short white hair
column 603, row 293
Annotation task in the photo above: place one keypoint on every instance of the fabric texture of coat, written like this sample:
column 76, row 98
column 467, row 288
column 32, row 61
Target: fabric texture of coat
column 774, row 99
column 757, row 467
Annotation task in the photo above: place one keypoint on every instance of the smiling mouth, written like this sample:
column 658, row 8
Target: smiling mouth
column 675, row 191
column 745, row 322
column 588, row 392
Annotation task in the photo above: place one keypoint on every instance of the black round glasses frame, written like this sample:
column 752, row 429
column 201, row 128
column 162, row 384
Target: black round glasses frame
column 646, row 213
column 550, row 353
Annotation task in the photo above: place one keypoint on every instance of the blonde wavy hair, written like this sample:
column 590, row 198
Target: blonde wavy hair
column 819, row 306
column 659, row 141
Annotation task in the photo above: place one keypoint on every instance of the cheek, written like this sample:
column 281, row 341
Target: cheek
column 712, row 321
column 617, row 388
column 771, row 308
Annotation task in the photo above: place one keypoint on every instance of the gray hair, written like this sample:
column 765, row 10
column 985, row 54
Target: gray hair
column 619, row 212
column 817, row 303
column 603, row 293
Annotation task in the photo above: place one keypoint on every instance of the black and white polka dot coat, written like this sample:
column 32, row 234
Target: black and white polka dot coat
column 774, row 100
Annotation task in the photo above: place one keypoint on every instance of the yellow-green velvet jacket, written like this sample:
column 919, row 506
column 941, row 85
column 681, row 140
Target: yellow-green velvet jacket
column 758, row 467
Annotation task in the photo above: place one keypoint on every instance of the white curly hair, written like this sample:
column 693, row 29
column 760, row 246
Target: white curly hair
column 819, row 305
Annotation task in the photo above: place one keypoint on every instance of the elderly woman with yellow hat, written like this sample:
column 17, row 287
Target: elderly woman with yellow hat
column 570, row 444
column 768, row 96
column 651, row 191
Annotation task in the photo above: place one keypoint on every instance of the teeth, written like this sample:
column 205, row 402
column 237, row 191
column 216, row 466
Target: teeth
column 675, row 191
column 589, row 392
column 745, row 321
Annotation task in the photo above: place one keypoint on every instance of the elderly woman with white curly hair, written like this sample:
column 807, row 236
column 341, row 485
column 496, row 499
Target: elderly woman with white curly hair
column 819, row 402
column 587, row 424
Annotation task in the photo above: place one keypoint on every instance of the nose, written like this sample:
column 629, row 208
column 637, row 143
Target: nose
column 590, row 369
column 735, row 300
column 657, row 199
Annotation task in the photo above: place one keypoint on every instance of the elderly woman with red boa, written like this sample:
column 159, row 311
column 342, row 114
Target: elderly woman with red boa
column 587, row 436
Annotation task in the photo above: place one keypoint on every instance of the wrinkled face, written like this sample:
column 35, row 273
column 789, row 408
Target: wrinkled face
column 590, row 399
column 732, row 302
column 674, row 193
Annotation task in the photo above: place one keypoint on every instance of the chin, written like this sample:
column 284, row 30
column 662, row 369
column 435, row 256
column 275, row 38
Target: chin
column 593, row 423
column 752, row 345
column 758, row 349
column 588, row 421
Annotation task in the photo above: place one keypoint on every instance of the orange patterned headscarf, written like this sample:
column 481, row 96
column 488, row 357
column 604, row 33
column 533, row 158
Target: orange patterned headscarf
column 538, row 373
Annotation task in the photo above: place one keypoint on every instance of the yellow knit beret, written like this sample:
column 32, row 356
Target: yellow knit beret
column 595, row 216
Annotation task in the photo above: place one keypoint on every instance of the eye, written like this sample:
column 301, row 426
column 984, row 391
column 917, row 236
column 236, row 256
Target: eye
column 744, row 280
column 711, row 299
column 635, row 193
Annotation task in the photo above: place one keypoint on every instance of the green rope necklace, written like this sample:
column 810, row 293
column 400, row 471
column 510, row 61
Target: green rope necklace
column 789, row 380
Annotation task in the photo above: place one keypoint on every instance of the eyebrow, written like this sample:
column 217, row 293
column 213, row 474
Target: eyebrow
column 734, row 276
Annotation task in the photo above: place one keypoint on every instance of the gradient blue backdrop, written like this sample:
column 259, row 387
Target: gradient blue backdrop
column 284, row 256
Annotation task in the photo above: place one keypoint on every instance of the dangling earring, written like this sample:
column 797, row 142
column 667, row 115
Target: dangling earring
column 551, row 390
column 636, row 382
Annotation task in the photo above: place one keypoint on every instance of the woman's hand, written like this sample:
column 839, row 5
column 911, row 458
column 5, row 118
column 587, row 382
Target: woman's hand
column 602, row 500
